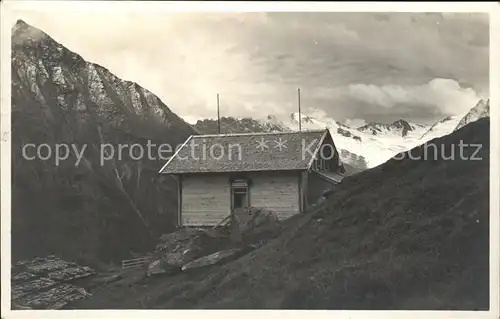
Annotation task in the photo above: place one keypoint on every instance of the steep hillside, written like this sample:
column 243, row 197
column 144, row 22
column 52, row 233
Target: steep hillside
column 78, row 208
column 409, row 234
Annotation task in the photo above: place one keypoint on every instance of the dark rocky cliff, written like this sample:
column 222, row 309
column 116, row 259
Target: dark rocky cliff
column 81, row 209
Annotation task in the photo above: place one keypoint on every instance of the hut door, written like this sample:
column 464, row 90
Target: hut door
column 239, row 195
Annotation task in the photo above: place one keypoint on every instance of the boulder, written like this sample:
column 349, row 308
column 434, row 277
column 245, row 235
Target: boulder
column 159, row 266
column 108, row 279
column 253, row 217
column 179, row 237
column 253, row 222
column 183, row 246
column 212, row 259
column 180, row 247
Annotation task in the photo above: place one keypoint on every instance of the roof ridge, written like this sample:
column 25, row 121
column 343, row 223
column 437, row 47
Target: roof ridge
column 296, row 152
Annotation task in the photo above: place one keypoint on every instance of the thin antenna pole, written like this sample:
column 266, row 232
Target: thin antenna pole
column 218, row 115
column 300, row 116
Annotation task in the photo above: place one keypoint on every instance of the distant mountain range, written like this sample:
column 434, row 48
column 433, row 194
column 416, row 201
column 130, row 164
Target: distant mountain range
column 362, row 147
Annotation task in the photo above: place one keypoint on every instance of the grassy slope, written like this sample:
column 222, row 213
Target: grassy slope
column 405, row 235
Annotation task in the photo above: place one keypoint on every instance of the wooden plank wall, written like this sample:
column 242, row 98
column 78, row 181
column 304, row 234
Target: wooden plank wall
column 278, row 192
column 205, row 199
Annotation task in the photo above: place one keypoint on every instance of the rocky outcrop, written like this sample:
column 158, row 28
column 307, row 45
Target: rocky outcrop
column 451, row 124
column 189, row 248
column 178, row 248
column 399, row 127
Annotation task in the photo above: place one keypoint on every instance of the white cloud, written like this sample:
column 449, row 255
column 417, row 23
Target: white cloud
column 256, row 61
column 355, row 122
column 445, row 94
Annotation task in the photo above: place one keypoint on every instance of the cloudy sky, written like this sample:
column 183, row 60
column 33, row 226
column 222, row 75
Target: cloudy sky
column 353, row 67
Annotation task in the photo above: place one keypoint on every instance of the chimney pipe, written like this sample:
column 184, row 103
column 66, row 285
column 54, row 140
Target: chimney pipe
column 300, row 116
column 218, row 115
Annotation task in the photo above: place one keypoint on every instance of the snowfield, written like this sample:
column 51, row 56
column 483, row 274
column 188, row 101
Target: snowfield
column 375, row 142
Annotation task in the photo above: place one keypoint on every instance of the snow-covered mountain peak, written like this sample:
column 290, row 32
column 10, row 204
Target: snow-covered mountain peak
column 304, row 120
column 482, row 109
column 400, row 127
column 271, row 118
column 353, row 144
column 441, row 128
column 450, row 124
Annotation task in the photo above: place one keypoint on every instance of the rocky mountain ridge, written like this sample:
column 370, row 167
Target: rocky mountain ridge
column 400, row 127
column 86, row 208
column 481, row 110
column 453, row 123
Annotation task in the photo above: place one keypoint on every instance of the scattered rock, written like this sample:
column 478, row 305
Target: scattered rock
column 212, row 259
column 161, row 266
column 177, row 248
column 23, row 276
column 23, row 288
column 108, row 279
column 181, row 236
column 54, row 298
column 252, row 223
column 257, row 217
column 71, row 273
column 43, row 283
column 189, row 248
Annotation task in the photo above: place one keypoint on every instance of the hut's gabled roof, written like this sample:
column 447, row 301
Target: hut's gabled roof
column 246, row 152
